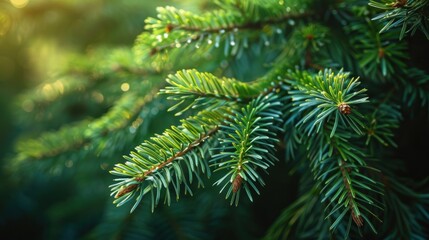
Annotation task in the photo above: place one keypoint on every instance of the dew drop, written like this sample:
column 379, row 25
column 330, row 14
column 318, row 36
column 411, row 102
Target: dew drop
column 217, row 41
column 159, row 38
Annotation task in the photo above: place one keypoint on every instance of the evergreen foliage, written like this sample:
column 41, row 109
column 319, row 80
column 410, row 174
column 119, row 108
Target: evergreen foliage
column 335, row 82
column 412, row 15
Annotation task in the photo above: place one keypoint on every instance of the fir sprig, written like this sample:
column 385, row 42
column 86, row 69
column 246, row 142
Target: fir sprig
column 194, row 89
column 172, row 158
column 326, row 97
column 380, row 56
column 409, row 15
column 407, row 209
column 416, row 88
column 342, row 172
column 230, row 28
column 248, row 146
column 382, row 121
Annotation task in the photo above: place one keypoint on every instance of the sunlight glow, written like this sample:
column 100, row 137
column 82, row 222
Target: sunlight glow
column 125, row 87
column 19, row 3
column 5, row 23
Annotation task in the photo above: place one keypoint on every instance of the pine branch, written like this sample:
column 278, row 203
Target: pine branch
column 194, row 90
column 175, row 28
column 49, row 144
column 342, row 174
column 94, row 77
column 380, row 56
column 407, row 209
column 317, row 99
column 321, row 107
column 415, row 83
column 382, row 121
column 409, row 15
column 85, row 72
column 165, row 158
column 248, row 145
column 84, row 133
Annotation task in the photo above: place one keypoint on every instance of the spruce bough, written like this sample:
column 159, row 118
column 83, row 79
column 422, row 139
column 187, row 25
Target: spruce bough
column 317, row 100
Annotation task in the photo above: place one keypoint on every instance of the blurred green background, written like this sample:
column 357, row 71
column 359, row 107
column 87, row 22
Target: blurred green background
column 37, row 37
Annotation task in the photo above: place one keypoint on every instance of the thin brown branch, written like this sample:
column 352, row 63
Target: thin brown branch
column 142, row 177
column 248, row 25
column 189, row 148
column 207, row 31
column 211, row 95
column 355, row 216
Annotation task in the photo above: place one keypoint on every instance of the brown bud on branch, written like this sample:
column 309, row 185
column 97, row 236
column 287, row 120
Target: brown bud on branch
column 344, row 108
column 236, row 184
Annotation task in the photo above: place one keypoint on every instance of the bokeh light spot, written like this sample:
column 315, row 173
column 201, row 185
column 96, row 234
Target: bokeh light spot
column 125, row 87
column 19, row 3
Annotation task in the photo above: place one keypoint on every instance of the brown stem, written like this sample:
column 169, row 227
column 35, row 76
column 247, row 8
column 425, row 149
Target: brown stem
column 123, row 190
column 190, row 147
column 356, row 217
column 211, row 95
column 205, row 32
column 248, row 25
